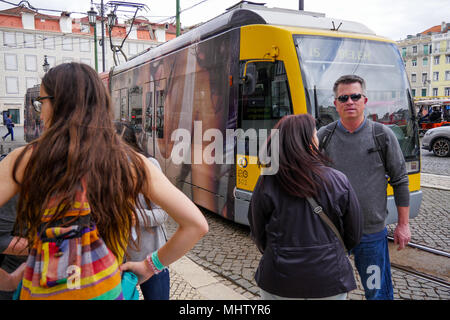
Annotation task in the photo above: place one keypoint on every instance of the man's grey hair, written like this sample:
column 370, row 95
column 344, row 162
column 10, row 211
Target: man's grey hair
column 348, row 79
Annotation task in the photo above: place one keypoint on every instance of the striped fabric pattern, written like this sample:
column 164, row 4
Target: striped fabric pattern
column 71, row 262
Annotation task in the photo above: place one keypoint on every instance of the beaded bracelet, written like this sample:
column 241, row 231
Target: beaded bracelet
column 152, row 265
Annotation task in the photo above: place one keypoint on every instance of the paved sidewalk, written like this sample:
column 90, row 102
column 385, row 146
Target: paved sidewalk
column 190, row 281
column 435, row 181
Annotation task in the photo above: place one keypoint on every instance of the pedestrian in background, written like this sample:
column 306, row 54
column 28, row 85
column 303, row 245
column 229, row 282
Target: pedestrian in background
column 152, row 230
column 353, row 150
column 13, row 250
column 77, row 164
column 302, row 257
column 9, row 125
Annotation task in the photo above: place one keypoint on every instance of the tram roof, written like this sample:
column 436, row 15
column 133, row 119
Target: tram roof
column 243, row 14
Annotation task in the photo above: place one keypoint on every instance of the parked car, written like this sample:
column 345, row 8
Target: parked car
column 438, row 141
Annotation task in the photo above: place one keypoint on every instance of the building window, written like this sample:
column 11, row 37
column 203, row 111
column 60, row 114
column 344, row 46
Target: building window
column 403, row 52
column 30, row 63
column 14, row 112
column 447, row 91
column 29, row 41
column 435, row 92
column 425, row 62
column 85, row 45
column 413, row 92
column 447, row 75
column 437, row 47
column 414, row 48
column 447, row 58
column 413, row 77
column 12, row 84
column 85, row 28
column 67, row 60
column 9, row 39
column 425, row 49
column 49, row 43
column 424, row 77
column 436, row 76
column 67, row 44
column 10, row 62
column 424, row 92
column 436, row 59
column 51, row 61
column 414, row 63
column 31, row 82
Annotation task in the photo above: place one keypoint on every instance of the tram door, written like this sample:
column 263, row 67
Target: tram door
column 263, row 100
column 155, row 94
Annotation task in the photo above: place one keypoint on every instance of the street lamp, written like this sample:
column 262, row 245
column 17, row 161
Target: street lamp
column 112, row 18
column 92, row 14
column 46, row 65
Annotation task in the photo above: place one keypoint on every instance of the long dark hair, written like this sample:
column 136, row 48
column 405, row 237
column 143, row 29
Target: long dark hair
column 301, row 164
column 80, row 144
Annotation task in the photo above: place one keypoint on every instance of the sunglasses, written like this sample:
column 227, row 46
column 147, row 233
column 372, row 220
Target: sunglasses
column 37, row 104
column 354, row 97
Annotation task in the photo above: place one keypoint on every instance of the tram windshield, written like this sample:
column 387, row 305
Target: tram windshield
column 324, row 59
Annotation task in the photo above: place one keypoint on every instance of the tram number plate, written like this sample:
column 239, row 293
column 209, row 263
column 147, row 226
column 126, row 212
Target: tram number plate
column 242, row 177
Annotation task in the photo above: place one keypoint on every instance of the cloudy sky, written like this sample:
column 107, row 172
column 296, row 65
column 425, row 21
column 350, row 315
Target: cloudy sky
column 394, row 19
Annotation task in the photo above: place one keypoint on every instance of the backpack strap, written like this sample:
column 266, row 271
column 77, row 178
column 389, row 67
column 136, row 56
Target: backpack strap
column 379, row 138
column 329, row 130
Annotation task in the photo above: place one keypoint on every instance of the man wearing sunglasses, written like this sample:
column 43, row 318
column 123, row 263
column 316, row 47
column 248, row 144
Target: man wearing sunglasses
column 351, row 145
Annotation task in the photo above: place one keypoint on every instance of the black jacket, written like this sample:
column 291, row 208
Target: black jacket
column 302, row 257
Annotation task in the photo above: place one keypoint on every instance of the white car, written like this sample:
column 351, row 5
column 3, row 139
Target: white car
column 438, row 141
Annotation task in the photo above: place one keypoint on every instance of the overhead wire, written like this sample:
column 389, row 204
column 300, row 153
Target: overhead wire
column 166, row 18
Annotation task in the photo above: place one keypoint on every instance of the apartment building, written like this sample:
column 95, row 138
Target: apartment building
column 27, row 37
column 427, row 61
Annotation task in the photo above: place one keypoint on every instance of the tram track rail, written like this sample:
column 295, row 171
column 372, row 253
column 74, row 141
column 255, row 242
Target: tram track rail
column 423, row 262
column 425, row 248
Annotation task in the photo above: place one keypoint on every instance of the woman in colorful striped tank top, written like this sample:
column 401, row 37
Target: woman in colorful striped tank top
column 77, row 185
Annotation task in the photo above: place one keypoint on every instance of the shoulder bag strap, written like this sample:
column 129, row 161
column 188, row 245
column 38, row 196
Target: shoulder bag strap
column 318, row 210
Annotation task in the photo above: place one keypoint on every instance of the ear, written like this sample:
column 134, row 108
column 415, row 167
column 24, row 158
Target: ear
column 365, row 99
column 335, row 103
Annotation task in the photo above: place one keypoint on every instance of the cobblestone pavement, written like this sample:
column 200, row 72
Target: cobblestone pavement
column 228, row 252
column 432, row 224
column 435, row 165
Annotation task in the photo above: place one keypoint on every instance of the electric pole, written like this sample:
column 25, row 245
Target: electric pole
column 102, row 12
column 178, row 18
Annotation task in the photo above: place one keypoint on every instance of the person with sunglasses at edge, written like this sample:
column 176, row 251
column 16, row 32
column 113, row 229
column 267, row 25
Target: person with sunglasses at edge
column 79, row 163
column 353, row 150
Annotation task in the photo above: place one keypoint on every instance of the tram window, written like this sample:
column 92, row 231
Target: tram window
column 123, row 104
column 149, row 114
column 160, row 114
column 135, row 103
column 270, row 100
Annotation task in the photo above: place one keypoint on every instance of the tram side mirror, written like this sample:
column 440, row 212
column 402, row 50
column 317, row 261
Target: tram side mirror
column 249, row 79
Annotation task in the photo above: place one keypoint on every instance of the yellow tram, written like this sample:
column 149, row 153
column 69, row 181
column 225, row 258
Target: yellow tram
column 204, row 102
